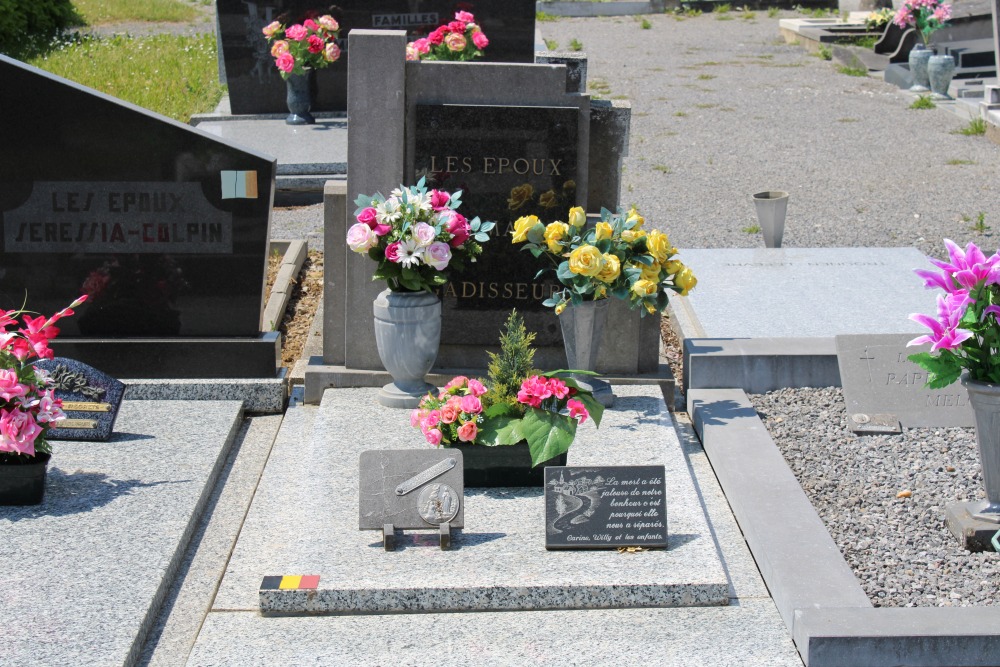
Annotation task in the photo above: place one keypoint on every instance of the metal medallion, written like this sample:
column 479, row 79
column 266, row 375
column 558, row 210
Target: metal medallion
column 438, row 503
column 860, row 418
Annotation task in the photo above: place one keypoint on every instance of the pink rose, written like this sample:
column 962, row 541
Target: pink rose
column 439, row 200
column 315, row 44
column 368, row 216
column 392, row 252
column 271, row 28
column 285, row 62
column 310, row 24
column 422, row 45
column 459, row 229
column 465, row 17
column 455, row 42
column 438, row 255
column 296, row 32
column 331, row 53
column 329, row 23
column 449, row 413
column 476, row 387
column 577, row 409
column 415, row 416
column 361, row 238
column 18, row 431
column 10, row 386
column 479, row 39
column 467, row 432
column 279, row 47
column 471, row 405
column 456, row 382
column 424, row 234
column 433, row 436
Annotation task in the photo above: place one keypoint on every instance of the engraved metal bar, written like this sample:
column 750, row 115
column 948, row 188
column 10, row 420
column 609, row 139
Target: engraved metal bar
column 420, row 478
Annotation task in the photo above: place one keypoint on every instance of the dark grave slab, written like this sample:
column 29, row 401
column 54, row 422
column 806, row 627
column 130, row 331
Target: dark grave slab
column 164, row 226
column 255, row 86
column 508, row 162
column 605, row 507
column 91, row 399
column 881, row 384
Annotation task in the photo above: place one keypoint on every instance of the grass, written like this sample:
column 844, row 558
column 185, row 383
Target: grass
column 975, row 128
column 575, row 45
column 852, row 71
column 824, row 53
column 723, row 8
column 646, row 25
column 705, row 106
column 542, row 17
column 551, row 45
column 706, row 77
column 752, row 229
column 174, row 75
column 979, row 226
column 958, row 163
column 119, row 11
column 680, row 114
column 599, row 86
column 748, row 15
column 923, row 102
column 772, row 12
column 662, row 168
column 864, row 42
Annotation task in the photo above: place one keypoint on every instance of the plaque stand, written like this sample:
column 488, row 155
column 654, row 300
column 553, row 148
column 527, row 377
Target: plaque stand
column 389, row 536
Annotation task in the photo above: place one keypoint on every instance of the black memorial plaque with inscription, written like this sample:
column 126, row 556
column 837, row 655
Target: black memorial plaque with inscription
column 256, row 87
column 605, row 507
column 508, row 162
column 91, row 399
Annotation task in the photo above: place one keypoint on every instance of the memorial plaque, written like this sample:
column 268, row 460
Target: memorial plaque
column 90, row 399
column 508, row 162
column 411, row 489
column 879, row 380
column 605, row 507
column 255, row 86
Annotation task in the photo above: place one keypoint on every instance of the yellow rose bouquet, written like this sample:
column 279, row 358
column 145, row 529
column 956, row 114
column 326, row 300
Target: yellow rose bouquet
column 616, row 257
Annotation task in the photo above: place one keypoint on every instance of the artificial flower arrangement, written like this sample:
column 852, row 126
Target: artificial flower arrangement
column 879, row 19
column 28, row 406
column 310, row 44
column 616, row 257
column 461, row 39
column 965, row 333
column 416, row 236
column 926, row 16
column 514, row 404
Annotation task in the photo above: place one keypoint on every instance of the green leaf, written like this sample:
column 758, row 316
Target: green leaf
column 564, row 274
column 504, row 430
column 942, row 370
column 547, row 433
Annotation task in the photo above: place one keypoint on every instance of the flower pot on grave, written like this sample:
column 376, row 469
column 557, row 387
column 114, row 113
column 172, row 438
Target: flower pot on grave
column 407, row 334
column 503, row 465
column 985, row 400
column 23, row 483
column 940, row 71
column 919, row 55
column 582, row 328
column 298, row 89
column 771, row 207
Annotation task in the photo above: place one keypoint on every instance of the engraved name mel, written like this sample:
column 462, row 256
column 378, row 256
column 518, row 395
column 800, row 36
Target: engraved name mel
column 455, row 164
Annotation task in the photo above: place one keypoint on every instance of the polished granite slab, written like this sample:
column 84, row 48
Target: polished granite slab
column 305, row 515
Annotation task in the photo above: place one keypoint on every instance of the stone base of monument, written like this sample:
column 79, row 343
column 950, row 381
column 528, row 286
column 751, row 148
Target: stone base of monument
column 258, row 395
column 973, row 533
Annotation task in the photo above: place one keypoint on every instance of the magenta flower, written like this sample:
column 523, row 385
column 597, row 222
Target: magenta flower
column 10, row 385
column 471, row 405
column 18, row 432
column 970, row 266
column 577, row 409
column 296, row 32
column 945, row 334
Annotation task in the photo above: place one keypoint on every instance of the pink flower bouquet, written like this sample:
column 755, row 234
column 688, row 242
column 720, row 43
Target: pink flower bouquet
column 310, row 44
column 28, row 406
column 926, row 16
column 460, row 40
column 416, row 237
column 550, row 406
column 965, row 334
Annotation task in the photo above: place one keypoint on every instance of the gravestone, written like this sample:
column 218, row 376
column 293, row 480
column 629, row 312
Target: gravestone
column 508, row 162
column 255, row 86
column 605, row 507
column 878, row 379
column 91, row 399
column 164, row 227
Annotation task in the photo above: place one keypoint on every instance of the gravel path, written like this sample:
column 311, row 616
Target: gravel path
column 899, row 547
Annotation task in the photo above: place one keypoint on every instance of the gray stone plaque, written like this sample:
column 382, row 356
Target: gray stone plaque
column 605, row 507
column 91, row 399
column 879, row 380
column 411, row 489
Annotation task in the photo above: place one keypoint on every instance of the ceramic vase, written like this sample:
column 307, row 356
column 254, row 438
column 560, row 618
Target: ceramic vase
column 771, row 206
column 985, row 400
column 298, row 88
column 407, row 334
column 582, row 328
column 940, row 71
column 919, row 55
column 23, row 483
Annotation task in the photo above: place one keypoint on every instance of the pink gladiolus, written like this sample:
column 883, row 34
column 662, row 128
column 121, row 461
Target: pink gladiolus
column 433, row 436
column 10, row 386
column 476, row 387
column 296, row 32
column 285, row 62
column 468, row 431
column 18, row 431
column 577, row 409
column 471, row 405
column 7, row 317
column 67, row 311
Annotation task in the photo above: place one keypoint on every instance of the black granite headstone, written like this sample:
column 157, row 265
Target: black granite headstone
column 91, row 399
column 165, row 227
column 605, row 507
column 256, row 88
column 508, row 162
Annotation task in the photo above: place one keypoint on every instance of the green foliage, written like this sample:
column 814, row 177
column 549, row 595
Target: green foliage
column 752, row 229
column 979, row 226
column 976, row 127
column 543, row 17
column 646, row 25
column 723, row 8
column 941, row 371
column 923, row 102
column 824, row 53
column 551, row 45
column 27, row 26
column 515, row 362
column 575, row 45
column 120, row 11
column 772, row 12
column 852, row 71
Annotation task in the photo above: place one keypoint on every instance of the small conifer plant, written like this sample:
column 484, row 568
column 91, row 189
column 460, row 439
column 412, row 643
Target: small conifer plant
column 509, row 368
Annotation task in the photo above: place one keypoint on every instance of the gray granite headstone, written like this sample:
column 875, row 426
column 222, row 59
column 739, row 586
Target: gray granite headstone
column 605, row 507
column 407, row 488
column 879, row 380
column 91, row 399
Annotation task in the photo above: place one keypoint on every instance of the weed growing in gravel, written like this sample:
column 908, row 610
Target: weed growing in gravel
column 723, row 17
column 552, row 45
column 772, row 12
column 748, row 15
column 852, row 71
column 979, row 226
column 923, row 102
column 662, row 168
column 824, row 53
column 975, row 128
column 722, row 8
column 706, row 77
column 752, row 229
column 680, row 114
column 958, row 163
column 575, row 45
column 705, row 106
column 542, row 16
column 646, row 25
column 599, row 86
column 692, row 12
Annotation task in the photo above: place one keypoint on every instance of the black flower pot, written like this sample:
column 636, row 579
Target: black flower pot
column 23, row 483
column 504, row 465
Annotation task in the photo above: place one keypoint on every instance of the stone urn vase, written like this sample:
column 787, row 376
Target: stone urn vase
column 23, row 483
column 771, row 207
column 919, row 55
column 940, row 71
column 298, row 89
column 407, row 334
column 582, row 328
column 985, row 400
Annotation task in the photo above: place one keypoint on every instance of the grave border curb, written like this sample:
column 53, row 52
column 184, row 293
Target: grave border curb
column 829, row 623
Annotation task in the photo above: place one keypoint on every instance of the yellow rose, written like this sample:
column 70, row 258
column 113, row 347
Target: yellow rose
column 522, row 226
column 586, row 261
column 658, row 245
column 577, row 216
column 673, row 266
column 555, row 232
column 548, row 199
column 600, row 292
column 519, row 195
column 643, row 288
column 612, row 269
column 685, row 280
column 650, row 308
column 633, row 214
column 560, row 308
column 632, row 235
column 651, row 272
column 604, row 231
